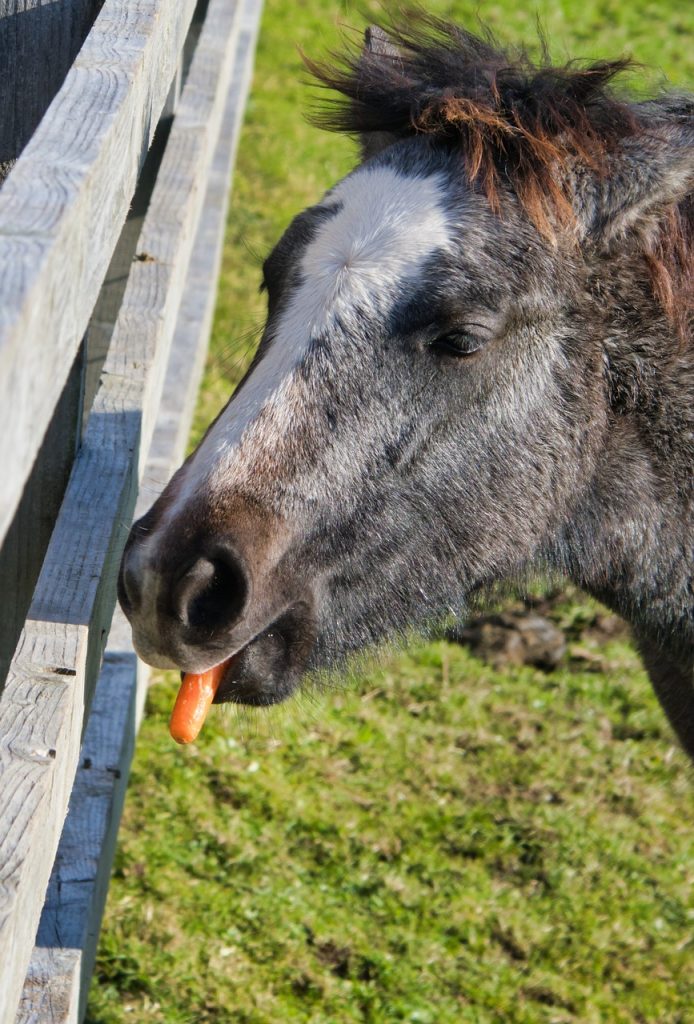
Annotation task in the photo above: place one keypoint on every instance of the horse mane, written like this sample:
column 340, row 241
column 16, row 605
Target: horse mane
column 524, row 124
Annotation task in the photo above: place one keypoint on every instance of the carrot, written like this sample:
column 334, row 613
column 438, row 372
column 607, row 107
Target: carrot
column 194, row 698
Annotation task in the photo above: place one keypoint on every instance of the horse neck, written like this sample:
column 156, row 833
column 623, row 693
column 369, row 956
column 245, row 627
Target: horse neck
column 630, row 539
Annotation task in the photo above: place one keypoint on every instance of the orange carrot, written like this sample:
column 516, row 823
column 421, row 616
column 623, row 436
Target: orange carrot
column 193, row 702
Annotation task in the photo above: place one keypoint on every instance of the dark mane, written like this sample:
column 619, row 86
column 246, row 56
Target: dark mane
column 517, row 123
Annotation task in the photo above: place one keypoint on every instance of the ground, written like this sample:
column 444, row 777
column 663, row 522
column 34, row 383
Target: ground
column 439, row 841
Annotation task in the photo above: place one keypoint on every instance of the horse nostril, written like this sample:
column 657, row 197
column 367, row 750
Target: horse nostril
column 212, row 593
column 128, row 586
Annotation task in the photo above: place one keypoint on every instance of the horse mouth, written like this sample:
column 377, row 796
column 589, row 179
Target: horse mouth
column 269, row 668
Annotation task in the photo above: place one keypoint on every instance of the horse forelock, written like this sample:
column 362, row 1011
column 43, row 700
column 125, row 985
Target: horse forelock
column 518, row 125
column 513, row 120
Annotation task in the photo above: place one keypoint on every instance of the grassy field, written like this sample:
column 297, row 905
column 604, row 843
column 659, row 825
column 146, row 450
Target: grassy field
column 436, row 842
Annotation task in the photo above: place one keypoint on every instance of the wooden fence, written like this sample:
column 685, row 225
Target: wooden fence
column 118, row 128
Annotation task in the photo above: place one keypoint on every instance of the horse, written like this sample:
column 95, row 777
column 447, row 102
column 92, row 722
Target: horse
column 477, row 364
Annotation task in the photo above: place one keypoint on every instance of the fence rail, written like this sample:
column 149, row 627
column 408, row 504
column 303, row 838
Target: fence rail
column 62, row 209
column 137, row 425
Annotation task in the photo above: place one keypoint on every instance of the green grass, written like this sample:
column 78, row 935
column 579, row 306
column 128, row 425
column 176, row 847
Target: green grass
column 438, row 842
column 435, row 842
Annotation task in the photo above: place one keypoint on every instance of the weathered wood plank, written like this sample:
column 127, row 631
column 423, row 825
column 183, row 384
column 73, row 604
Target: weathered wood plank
column 62, row 208
column 24, row 547
column 62, row 961
column 51, row 989
column 38, row 42
column 194, row 323
column 75, row 594
column 55, row 989
column 105, row 313
column 33, row 744
column 41, row 717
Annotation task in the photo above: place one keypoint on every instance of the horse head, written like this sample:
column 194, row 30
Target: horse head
column 460, row 347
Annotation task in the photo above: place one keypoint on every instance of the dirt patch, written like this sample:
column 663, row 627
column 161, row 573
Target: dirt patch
column 542, row 632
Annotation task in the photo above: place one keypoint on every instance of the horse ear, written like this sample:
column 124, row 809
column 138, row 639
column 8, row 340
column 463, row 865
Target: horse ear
column 377, row 45
column 650, row 175
column 377, row 41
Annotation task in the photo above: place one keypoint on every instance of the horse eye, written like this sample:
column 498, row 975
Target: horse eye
column 457, row 343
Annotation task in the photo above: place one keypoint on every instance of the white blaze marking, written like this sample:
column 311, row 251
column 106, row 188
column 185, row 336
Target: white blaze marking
column 386, row 227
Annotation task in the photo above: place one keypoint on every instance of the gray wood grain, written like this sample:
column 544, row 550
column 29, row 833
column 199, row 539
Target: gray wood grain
column 62, row 207
column 58, row 977
column 58, row 656
column 51, row 989
column 55, row 989
column 23, row 550
column 194, row 323
column 38, row 42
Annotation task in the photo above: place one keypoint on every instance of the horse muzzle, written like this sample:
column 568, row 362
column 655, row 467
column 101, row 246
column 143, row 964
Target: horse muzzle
column 198, row 597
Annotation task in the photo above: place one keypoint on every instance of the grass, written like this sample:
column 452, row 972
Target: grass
column 435, row 842
column 438, row 842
